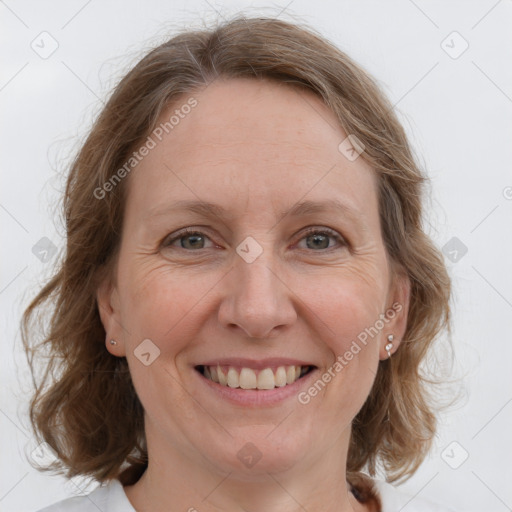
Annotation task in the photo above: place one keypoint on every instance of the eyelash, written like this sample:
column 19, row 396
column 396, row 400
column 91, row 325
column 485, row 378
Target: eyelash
column 310, row 231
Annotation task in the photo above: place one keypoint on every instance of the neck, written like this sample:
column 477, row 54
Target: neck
column 175, row 480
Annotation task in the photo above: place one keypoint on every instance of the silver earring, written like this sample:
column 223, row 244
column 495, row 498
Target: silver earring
column 113, row 342
column 389, row 346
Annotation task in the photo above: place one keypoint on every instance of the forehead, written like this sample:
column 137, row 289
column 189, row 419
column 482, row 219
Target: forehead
column 253, row 142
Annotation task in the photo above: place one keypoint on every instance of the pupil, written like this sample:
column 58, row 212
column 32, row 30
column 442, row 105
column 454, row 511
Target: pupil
column 194, row 238
column 318, row 238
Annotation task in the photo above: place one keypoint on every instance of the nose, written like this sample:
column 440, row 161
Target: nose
column 257, row 301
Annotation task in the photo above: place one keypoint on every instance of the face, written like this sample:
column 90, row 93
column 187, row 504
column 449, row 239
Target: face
column 287, row 269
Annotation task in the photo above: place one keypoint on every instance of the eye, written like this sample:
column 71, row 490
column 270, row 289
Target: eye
column 188, row 239
column 317, row 238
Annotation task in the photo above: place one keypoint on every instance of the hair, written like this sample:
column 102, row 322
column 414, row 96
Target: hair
column 84, row 404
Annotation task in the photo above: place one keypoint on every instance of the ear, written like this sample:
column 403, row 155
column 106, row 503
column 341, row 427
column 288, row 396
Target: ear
column 107, row 299
column 397, row 313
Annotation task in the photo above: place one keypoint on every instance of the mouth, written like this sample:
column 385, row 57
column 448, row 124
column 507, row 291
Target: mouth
column 246, row 378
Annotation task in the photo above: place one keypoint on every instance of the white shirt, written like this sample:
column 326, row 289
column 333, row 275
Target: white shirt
column 112, row 498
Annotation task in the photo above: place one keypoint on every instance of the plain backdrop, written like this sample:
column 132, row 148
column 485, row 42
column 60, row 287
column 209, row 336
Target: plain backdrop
column 446, row 67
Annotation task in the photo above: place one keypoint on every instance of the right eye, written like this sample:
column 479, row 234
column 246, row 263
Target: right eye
column 188, row 239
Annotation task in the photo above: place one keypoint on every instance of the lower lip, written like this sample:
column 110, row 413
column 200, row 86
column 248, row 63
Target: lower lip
column 257, row 397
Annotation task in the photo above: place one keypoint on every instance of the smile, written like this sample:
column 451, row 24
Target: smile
column 248, row 378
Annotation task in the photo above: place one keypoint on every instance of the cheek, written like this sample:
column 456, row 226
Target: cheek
column 163, row 304
column 353, row 344
column 349, row 311
column 348, row 303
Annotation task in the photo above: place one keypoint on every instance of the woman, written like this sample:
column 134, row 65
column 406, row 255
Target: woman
column 247, row 292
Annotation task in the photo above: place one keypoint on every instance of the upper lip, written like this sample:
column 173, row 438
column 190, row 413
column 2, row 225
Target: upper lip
column 256, row 364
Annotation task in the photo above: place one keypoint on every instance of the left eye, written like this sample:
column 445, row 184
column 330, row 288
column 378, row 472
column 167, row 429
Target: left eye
column 319, row 238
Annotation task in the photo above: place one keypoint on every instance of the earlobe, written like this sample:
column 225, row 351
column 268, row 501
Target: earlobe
column 389, row 344
column 398, row 314
column 108, row 309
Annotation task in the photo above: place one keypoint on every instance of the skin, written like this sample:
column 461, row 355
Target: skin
column 256, row 148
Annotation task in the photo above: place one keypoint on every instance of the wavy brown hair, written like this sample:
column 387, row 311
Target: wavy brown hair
column 85, row 406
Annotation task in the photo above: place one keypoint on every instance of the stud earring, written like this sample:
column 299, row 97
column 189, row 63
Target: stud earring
column 389, row 345
column 113, row 342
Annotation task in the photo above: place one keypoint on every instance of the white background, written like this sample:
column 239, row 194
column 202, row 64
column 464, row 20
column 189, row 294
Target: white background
column 456, row 110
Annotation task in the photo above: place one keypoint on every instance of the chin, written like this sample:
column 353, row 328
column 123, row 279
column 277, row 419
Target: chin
column 250, row 456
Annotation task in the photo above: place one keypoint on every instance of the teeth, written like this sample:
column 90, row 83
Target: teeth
column 233, row 380
column 280, row 377
column 266, row 379
column 247, row 378
column 221, row 376
column 290, row 374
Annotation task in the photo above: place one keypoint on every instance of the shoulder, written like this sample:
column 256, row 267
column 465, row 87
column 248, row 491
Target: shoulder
column 394, row 500
column 107, row 498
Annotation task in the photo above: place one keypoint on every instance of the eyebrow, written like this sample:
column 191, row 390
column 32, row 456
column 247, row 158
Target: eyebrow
column 309, row 207
column 208, row 209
